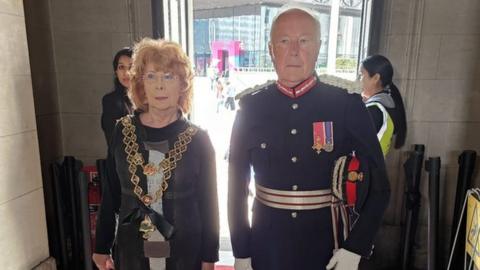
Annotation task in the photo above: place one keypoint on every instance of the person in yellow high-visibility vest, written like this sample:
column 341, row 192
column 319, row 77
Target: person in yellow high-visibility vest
column 383, row 101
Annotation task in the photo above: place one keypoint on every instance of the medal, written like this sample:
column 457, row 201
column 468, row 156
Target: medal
column 147, row 199
column 146, row 227
column 322, row 136
column 328, row 136
column 317, row 146
column 328, row 147
column 150, row 169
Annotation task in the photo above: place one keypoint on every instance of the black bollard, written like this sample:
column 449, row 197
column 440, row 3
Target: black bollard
column 72, row 169
column 432, row 166
column 82, row 182
column 62, row 255
column 466, row 162
column 68, row 210
column 413, row 174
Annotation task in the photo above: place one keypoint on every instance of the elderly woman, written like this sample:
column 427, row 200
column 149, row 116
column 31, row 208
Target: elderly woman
column 162, row 180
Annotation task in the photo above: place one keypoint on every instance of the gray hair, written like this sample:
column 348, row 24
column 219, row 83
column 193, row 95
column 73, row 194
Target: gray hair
column 297, row 6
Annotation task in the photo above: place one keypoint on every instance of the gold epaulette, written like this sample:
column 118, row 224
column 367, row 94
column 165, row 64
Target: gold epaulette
column 350, row 86
column 254, row 89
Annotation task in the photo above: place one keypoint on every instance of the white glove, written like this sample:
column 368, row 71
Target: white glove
column 344, row 260
column 243, row 264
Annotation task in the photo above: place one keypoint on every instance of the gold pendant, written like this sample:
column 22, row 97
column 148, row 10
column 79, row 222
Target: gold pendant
column 147, row 199
column 150, row 169
column 146, row 227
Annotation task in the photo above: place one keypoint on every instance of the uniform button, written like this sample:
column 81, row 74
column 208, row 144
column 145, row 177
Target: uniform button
column 293, row 131
column 263, row 145
column 294, row 159
column 294, row 106
column 294, row 187
column 294, row 214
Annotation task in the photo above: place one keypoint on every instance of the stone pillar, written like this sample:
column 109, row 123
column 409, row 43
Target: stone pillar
column 23, row 232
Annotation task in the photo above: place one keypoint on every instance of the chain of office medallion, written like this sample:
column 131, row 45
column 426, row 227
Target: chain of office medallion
column 167, row 165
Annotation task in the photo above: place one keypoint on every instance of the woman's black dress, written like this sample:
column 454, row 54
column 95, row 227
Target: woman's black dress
column 189, row 204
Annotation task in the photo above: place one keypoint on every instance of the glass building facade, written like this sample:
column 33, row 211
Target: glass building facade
column 252, row 30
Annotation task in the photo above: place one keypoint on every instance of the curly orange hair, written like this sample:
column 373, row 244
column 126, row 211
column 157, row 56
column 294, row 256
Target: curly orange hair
column 166, row 56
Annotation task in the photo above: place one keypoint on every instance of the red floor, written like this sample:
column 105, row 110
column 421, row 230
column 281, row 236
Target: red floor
column 220, row 267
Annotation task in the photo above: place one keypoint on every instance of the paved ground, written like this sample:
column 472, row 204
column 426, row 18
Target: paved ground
column 219, row 127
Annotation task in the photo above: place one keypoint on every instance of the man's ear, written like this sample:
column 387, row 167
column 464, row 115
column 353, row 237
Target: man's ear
column 270, row 50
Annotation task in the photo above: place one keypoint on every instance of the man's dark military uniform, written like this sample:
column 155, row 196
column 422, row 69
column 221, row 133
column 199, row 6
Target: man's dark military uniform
column 273, row 133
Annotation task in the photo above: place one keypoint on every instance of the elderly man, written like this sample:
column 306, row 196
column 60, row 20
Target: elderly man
column 295, row 133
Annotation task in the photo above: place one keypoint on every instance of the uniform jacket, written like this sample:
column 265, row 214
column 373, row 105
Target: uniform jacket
column 189, row 204
column 380, row 106
column 273, row 134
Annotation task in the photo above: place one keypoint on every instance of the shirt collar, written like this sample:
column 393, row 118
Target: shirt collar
column 298, row 90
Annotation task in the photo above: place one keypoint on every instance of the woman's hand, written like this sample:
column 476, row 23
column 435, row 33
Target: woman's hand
column 104, row 261
column 208, row 266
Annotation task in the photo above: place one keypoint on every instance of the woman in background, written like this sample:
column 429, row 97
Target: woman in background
column 383, row 101
column 116, row 103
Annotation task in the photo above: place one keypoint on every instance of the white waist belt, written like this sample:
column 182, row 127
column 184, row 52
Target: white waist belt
column 295, row 200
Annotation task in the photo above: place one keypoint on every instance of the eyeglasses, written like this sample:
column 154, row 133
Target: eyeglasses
column 154, row 77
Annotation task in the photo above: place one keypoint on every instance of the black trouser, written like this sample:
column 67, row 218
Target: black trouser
column 230, row 102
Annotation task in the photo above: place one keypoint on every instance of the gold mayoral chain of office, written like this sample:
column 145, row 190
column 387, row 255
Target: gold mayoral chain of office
column 167, row 165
